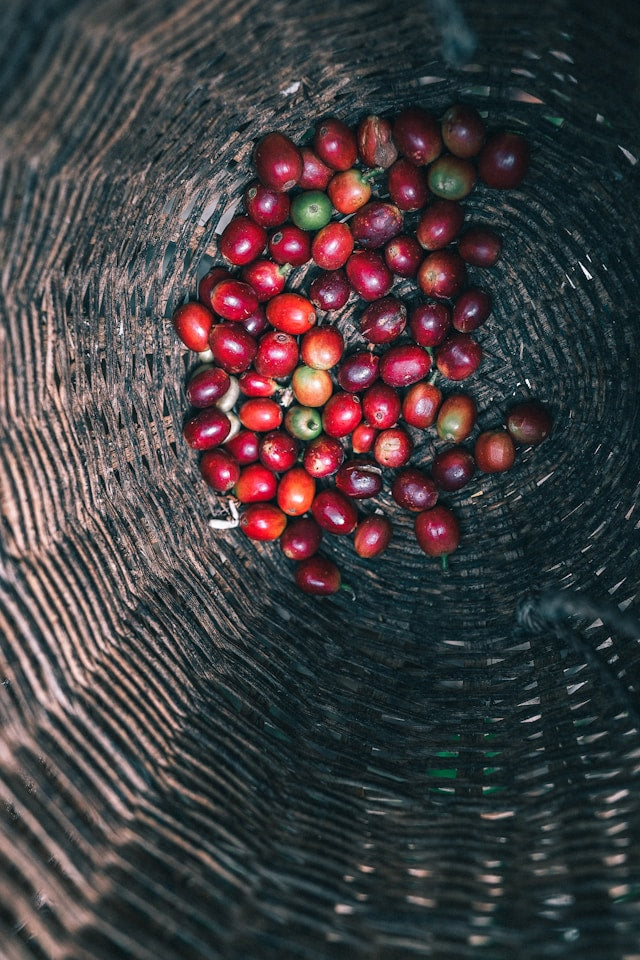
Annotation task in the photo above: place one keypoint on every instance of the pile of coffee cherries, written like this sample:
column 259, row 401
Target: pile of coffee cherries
column 302, row 423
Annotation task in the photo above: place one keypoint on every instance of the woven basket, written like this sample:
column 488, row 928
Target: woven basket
column 196, row 761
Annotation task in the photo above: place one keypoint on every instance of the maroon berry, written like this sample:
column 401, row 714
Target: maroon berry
column 330, row 290
column 440, row 224
column 266, row 207
column 276, row 355
column 256, row 323
column 383, row 320
column 463, row 130
column 437, row 532
column 372, row 536
column 315, row 174
column 420, row 404
column 243, row 446
column 381, row 406
column 323, row 456
column 289, row 244
column 368, row 274
column 403, row 255
column 494, row 451
column 442, row 274
column 358, row 371
column 205, row 429
column 232, row 347
column 375, row 145
column 341, row 415
column 453, row 468
column 219, row 469
column 265, row 277
column 278, row 451
column 413, row 489
column 471, row 310
column 375, row 223
column 211, row 279
column 529, row 422
column 359, row 479
column 480, row 246
column 404, row 364
column 254, row 384
column 318, row 576
column 458, row 357
column 192, row 322
column 301, row 538
column 242, row 240
column 332, row 245
column 233, row 299
column 393, row 447
column 206, row 385
column 407, row 185
column 335, row 143
column 278, row 162
column 504, row 160
column 363, row 437
column 416, row 134
column 335, row 512
column 429, row 323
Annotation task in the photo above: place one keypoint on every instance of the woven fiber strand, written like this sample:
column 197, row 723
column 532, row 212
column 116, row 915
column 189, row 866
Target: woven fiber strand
column 196, row 762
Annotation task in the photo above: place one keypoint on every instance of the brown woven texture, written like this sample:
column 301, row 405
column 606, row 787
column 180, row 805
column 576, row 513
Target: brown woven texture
column 196, row 761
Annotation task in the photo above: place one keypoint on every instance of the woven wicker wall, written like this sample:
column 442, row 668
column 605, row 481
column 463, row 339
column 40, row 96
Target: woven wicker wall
column 195, row 762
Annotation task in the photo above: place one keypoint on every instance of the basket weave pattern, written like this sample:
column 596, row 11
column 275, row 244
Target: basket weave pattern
column 195, row 761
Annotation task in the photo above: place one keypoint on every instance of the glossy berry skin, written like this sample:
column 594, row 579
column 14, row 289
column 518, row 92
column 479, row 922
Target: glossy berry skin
column 359, row 479
column 254, row 384
column 315, row 174
column 383, row 320
column 368, row 274
column 375, row 144
column 322, row 347
column 211, row 279
column 219, row 469
column 192, row 322
column 480, row 246
column 291, row 313
column 278, row 162
column 504, row 160
column 440, row 224
column 358, row 371
column 430, row 323
column 372, row 536
column 420, row 404
column 413, row 489
column 494, row 451
column 341, row 415
column 453, row 468
column 529, row 422
column 442, row 274
column 268, row 208
column 260, row 414
column 323, row 456
column 403, row 255
column 206, row 385
column 277, row 354
column 301, row 538
column 265, row 277
column 407, row 185
column 278, row 451
column 335, row 143
column 233, row 299
column 290, row 245
column 311, row 210
column 263, row 521
column 404, row 364
column 393, row 447
column 437, row 531
column 318, row 576
column 243, row 446
column 375, row 223
column 332, row 245
column 463, row 130
column 296, row 491
column 334, row 512
column 457, row 417
column 451, row 178
column 471, row 309
column 241, row 241
column 304, row 423
column 330, row 290
column 459, row 356
column 416, row 134
column 381, row 406
column 311, row 388
column 206, row 429
column 232, row 347
column 349, row 190
column 256, row 484
column 256, row 323
column 363, row 437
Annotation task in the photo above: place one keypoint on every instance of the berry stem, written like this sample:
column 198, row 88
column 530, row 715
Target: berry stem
column 444, row 562
column 347, row 588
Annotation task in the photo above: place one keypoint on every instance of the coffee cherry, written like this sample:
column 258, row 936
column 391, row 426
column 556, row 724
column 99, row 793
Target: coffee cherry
column 330, row 290
column 311, row 388
column 242, row 240
column 256, row 484
column 278, row 162
column 453, row 468
column 233, row 299
column 341, row 415
column 375, row 223
column 458, row 357
column 205, row 429
column 206, row 385
column 437, row 532
column 375, row 144
column 301, row 538
column 232, row 347
column 192, row 322
column 335, row 143
column 315, row 174
column 318, row 576
column 407, row 185
column 266, row 207
column 494, row 451
column 332, row 245
column 420, row 404
column 529, row 422
column 263, row 521
column 471, row 310
column 504, row 160
column 291, row 313
column 383, row 320
column 322, row 347
column 404, row 364
column 296, row 491
column 381, row 405
column 243, row 447
column 413, row 489
column 480, row 246
column 372, row 536
column 276, row 354
column 278, row 451
column 393, row 447
column 457, row 417
column 260, row 414
column 323, row 456
column 416, row 133
column 440, row 224
column 463, row 130
column 219, row 469
column 359, row 479
column 334, row 512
